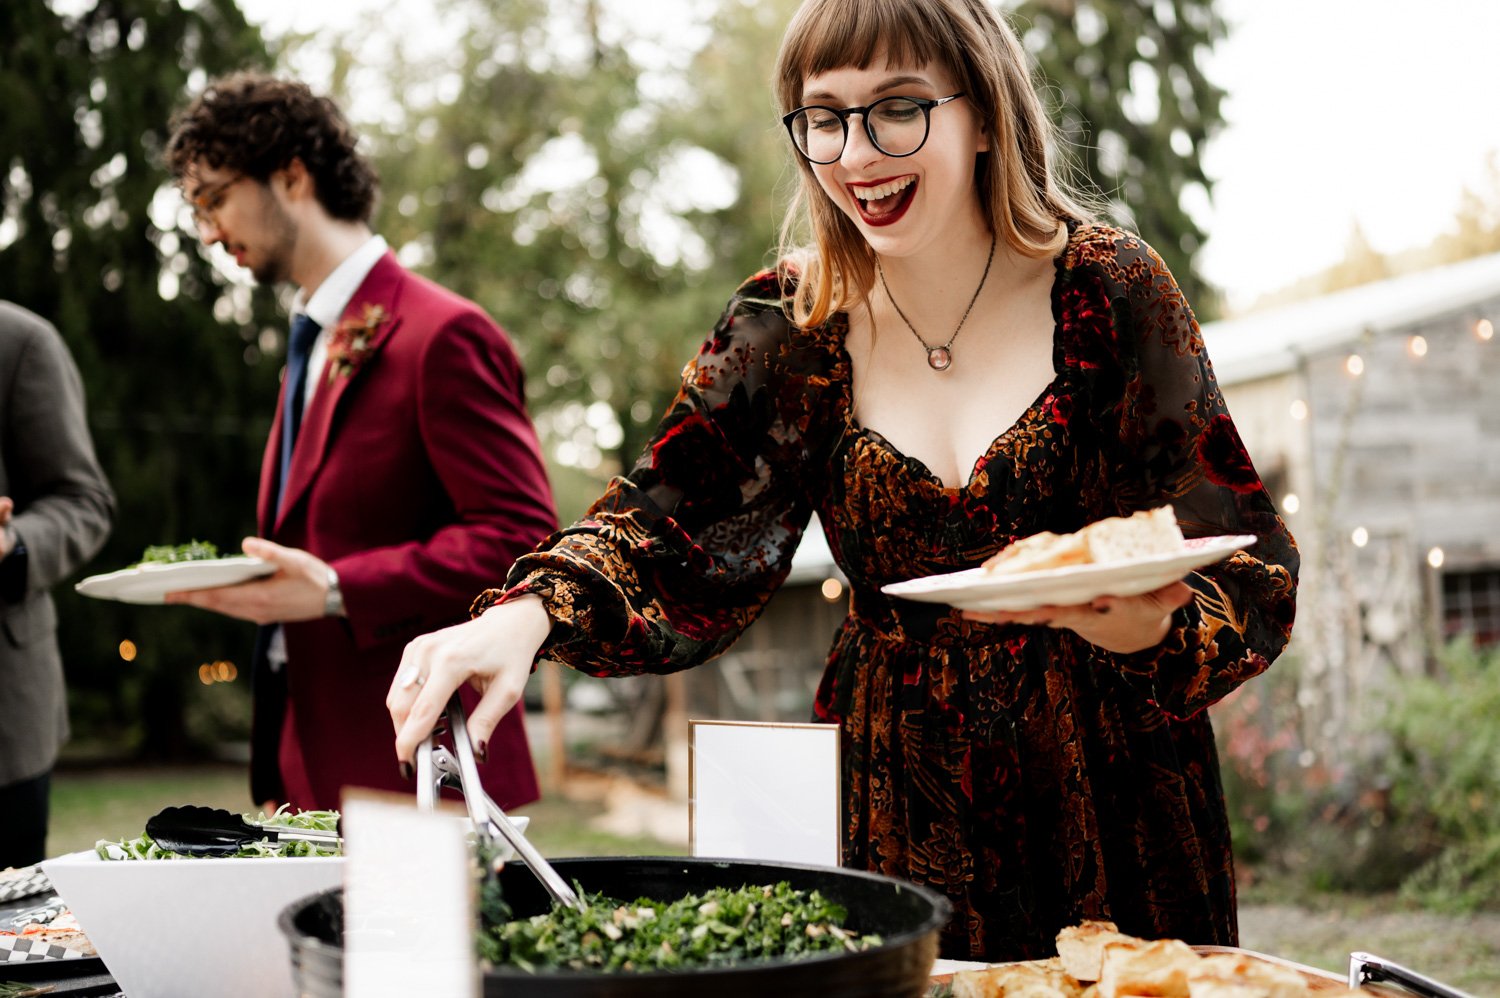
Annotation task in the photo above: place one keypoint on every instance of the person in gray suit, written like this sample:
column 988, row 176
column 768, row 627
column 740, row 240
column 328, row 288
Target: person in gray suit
column 56, row 508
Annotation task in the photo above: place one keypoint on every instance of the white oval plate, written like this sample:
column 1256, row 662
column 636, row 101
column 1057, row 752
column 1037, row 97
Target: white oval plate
column 151, row 583
column 973, row 589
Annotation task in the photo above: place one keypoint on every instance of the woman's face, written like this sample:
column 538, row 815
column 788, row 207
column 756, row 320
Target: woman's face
column 903, row 204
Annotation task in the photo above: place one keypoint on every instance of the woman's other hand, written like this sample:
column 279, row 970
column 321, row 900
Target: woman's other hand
column 1120, row 624
column 494, row 652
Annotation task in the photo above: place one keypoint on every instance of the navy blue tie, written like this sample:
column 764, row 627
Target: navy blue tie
column 299, row 349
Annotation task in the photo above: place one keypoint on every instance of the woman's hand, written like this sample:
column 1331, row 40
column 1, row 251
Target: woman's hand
column 1120, row 624
column 494, row 652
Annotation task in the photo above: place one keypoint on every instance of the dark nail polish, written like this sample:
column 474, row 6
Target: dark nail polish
column 483, row 751
column 406, row 773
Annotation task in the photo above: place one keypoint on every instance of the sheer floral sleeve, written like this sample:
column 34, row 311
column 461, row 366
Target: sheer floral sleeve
column 679, row 556
column 1175, row 436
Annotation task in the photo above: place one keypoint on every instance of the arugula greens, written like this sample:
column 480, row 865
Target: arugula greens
column 719, row 927
column 145, row 846
column 168, row 554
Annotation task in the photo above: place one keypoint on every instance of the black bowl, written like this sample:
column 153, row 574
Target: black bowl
column 907, row 917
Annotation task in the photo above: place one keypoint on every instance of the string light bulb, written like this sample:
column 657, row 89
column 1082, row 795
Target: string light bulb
column 1290, row 503
column 1299, row 410
column 1435, row 557
column 1417, row 345
column 1360, row 537
column 1485, row 330
column 1355, row 365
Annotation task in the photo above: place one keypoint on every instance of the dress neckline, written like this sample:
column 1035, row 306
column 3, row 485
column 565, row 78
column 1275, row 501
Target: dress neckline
column 853, row 426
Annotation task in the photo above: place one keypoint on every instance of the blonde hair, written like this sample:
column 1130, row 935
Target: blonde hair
column 1020, row 198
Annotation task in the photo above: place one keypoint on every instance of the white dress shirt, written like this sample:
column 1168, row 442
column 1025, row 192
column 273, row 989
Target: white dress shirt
column 326, row 306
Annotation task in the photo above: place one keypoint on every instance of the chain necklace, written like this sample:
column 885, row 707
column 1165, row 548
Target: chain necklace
column 939, row 358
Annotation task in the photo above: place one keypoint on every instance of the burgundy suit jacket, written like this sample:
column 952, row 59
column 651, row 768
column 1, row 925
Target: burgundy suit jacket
column 418, row 476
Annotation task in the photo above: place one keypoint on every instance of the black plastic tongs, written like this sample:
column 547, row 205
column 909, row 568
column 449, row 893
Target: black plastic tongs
column 436, row 767
column 194, row 830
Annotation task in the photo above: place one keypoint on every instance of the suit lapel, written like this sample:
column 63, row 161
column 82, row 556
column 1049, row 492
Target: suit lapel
column 270, row 470
column 376, row 297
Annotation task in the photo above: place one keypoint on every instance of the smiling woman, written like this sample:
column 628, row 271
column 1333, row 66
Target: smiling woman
column 1034, row 767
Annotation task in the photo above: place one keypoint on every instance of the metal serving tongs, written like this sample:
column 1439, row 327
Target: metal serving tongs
column 1367, row 968
column 436, row 766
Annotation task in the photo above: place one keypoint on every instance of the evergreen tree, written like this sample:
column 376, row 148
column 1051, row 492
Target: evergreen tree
column 1136, row 110
column 179, row 374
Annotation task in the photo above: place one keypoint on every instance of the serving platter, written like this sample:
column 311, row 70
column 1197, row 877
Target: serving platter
column 41, row 964
column 976, row 589
column 149, row 584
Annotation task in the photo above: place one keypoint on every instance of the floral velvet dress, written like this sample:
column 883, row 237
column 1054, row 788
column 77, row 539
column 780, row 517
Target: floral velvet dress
column 1030, row 776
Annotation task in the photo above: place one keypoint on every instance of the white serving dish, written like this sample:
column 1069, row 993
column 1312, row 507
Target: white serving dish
column 191, row 927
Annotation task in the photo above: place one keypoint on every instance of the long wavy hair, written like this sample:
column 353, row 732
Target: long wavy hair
column 1020, row 195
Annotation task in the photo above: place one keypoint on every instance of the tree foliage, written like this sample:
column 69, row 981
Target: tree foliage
column 179, row 392
column 1136, row 110
column 563, row 186
column 602, row 207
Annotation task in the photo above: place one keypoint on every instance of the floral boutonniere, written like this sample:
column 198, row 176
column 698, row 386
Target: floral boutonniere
column 352, row 342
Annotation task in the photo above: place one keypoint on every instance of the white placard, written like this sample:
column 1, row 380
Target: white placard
column 408, row 901
column 765, row 791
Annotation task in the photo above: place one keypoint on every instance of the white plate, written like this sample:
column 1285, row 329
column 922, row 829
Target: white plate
column 151, row 583
column 973, row 589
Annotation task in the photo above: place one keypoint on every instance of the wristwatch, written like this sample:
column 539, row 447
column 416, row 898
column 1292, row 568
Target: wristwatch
column 333, row 603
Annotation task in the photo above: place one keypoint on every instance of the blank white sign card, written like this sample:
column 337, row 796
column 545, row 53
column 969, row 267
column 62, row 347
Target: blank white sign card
column 765, row 791
column 408, row 900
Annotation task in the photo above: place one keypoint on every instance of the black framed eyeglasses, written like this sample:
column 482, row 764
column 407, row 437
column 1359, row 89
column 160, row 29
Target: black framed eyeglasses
column 897, row 126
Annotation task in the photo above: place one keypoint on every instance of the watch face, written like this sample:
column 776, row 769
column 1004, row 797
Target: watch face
column 333, row 602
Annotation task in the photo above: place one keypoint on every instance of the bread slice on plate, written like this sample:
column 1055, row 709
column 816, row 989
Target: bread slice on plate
column 1081, row 947
column 1156, row 970
column 1028, row 979
column 1110, row 540
column 1140, row 535
column 1039, row 552
column 1241, row 976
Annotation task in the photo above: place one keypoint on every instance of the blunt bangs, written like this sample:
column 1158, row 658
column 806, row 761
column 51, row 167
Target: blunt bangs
column 834, row 34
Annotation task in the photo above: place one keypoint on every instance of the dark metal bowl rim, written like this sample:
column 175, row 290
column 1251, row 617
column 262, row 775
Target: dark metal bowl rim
column 942, row 909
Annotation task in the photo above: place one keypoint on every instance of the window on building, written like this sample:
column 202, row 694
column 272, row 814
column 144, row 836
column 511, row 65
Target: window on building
column 1471, row 605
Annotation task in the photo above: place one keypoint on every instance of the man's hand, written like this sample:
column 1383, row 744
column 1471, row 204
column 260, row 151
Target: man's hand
column 297, row 591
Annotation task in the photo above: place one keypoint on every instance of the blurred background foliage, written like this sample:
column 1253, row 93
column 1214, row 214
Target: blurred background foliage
column 599, row 182
column 177, row 381
column 1417, row 811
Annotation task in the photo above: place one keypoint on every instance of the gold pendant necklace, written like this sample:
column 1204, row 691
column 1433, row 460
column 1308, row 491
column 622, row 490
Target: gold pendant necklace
column 939, row 358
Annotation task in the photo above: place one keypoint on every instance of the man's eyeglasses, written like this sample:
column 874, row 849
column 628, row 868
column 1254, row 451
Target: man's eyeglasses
column 209, row 200
column 897, row 126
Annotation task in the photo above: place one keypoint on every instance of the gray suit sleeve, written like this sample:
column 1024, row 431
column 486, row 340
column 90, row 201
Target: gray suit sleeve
column 64, row 504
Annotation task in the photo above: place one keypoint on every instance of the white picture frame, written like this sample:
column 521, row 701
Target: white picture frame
column 765, row 791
